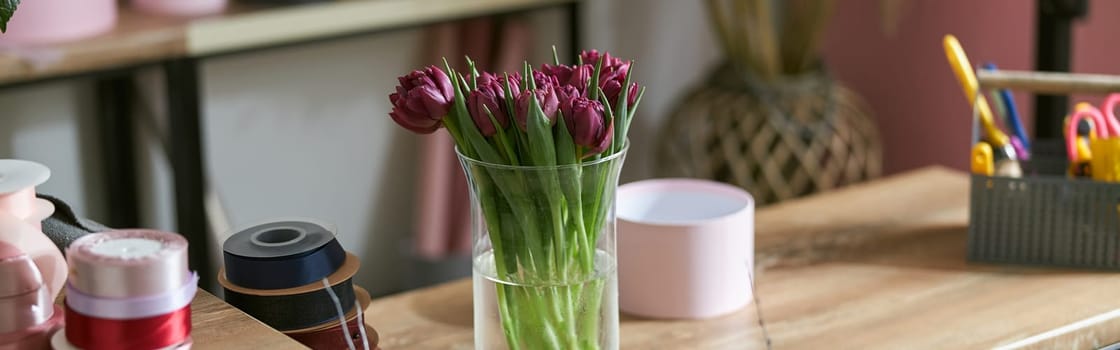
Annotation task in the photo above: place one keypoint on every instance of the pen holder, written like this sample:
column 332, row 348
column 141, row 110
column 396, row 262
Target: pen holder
column 1105, row 163
column 1046, row 217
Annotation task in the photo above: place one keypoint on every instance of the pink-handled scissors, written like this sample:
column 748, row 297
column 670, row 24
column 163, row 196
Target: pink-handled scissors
column 1110, row 103
column 1100, row 126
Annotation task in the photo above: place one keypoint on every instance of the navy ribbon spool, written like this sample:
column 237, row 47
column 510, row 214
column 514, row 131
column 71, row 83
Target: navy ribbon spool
column 294, row 311
column 281, row 255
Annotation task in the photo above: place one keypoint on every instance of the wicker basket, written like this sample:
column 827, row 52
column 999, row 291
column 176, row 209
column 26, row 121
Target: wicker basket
column 778, row 140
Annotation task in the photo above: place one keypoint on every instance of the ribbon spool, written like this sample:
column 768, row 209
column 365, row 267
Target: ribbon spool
column 125, row 264
column 129, row 289
column 18, row 179
column 59, row 342
column 330, row 335
column 28, row 315
column 299, row 307
column 279, row 255
column 334, row 339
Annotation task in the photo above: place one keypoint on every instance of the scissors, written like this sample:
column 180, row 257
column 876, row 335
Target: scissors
column 1077, row 149
column 1008, row 162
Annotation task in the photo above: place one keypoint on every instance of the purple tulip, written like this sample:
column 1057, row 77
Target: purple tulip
column 566, row 95
column 561, row 72
column 514, row 84
column 589, row 126
column 543, row 80
column 422, row 100
column 577, row 76
column 613, row 89
column 490, row 95
column 547, row 99
column 592, row 57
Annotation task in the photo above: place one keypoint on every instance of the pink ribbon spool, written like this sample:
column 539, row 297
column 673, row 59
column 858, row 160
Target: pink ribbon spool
column 28, row 315
column 128, row 264
column 23, row 235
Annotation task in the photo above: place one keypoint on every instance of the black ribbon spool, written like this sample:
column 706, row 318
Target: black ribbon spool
column 296, row 311
column 296, row 308
column 281, row 255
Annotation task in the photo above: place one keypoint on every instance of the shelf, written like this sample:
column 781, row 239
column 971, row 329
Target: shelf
column 142, row 39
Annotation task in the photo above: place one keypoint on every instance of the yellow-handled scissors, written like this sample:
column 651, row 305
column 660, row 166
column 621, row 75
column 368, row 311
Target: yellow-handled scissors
column 967, row 77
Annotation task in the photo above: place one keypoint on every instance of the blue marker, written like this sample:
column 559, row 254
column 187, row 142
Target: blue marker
column 1013, row 116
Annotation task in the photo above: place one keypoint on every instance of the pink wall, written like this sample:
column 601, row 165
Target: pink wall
column 920, row 108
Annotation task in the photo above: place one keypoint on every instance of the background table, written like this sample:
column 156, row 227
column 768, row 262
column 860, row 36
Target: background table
column 178, row 46
column 874, row 266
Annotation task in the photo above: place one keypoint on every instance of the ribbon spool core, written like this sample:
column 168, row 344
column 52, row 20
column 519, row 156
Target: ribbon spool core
column 278, row 237
column 127, row 248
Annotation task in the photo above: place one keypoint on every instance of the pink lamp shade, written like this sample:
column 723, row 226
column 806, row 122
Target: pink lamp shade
column 181, row 8
column 685, row 248
column 38, row 22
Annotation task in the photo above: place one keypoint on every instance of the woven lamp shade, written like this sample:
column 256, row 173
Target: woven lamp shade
column 778, row 140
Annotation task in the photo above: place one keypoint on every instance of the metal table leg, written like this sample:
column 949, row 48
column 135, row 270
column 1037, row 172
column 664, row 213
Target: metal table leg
column 575, row 28
column 185, row 132
column 118, row 149
column 1054, row 35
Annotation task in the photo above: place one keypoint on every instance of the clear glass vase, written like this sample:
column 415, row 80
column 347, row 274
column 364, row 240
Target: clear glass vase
column 544, row 257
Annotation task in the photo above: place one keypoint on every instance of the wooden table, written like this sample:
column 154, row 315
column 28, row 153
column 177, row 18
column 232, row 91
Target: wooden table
column 874, row 266
column 217, row 325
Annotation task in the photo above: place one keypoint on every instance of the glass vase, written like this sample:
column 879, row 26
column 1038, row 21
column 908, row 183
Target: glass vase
column 544, row 254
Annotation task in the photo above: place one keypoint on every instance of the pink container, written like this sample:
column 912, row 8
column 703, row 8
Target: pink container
column 182, row 8
column 685, row 248
column 39, row 22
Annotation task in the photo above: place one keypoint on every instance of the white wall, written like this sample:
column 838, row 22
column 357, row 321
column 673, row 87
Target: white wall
column 303, row 131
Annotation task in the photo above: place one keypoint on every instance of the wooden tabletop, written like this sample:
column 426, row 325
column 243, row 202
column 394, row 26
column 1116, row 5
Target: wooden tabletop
column 874, row 266
column 141, row 38
column 217, row 325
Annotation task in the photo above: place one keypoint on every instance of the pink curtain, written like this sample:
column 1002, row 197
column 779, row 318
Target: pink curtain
column 443, row 208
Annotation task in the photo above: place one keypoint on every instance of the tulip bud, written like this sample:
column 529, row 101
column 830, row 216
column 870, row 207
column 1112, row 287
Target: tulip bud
column 546, row 98
column 490, row 95
column 422, row 100
column 613, row 89
column 589, row 126
column 514, row 84
column 577, row 76
column 566, row 95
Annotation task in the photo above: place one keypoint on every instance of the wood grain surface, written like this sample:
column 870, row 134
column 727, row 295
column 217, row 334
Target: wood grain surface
column 874, row 266
column 217, row 325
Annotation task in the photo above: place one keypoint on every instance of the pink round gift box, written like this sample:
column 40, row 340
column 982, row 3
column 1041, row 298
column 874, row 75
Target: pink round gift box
column 51, row 21
column 685, row 248
column 184, row 8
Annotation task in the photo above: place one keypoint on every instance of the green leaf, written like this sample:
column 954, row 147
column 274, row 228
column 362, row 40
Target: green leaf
column 565, row 145
column 7, row 10
column 555, row 57
column 472, row 138
column 541, row 145
column 610, row 116
column 623, row 112
column 474, row 73
column 593, row 84
column 502, row 139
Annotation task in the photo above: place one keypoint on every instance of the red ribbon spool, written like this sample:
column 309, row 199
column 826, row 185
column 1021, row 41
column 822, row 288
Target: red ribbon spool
column 334, row 339
column 157, row 332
